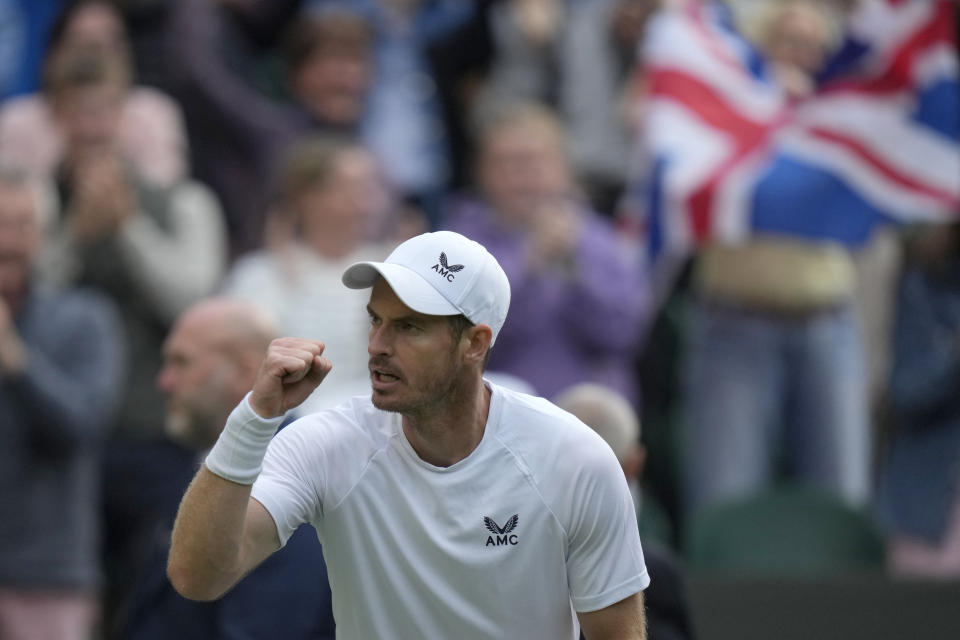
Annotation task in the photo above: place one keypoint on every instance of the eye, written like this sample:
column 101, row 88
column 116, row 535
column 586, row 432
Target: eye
column 408, row 327
column 374, row 320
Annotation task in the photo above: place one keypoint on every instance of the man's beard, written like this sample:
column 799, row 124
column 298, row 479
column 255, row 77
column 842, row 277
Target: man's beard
column 194, row 427
column 440, row 387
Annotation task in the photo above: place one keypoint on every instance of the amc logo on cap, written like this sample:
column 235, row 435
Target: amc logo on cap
column 446, row 270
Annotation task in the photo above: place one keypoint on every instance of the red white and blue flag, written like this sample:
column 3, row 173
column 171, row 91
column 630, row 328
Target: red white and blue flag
column 727, row 155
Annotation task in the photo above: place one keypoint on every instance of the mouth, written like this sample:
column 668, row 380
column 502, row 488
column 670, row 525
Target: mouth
column 382, row 378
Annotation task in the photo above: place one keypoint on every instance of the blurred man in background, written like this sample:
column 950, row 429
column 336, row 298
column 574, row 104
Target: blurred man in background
column 611, row 416
column 210, row 361
column 61, row 360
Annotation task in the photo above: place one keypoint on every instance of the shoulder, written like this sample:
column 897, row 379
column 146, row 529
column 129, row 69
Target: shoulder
column 467, row 214
column 75, row 306
column 550, row 440
column 197, row 198
column 354, row 429
column 25, row 110
column 262, row 273
column 151, row 102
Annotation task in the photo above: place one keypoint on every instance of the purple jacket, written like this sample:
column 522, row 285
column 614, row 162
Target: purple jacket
column 564, row 328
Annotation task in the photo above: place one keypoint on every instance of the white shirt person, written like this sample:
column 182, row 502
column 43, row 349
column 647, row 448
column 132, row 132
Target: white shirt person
column 447, row 506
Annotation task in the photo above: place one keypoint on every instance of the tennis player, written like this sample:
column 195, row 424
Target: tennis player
column 448, row 507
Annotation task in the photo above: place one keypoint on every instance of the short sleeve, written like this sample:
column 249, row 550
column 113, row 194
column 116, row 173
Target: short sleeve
column 604, row 559
column 291, row 482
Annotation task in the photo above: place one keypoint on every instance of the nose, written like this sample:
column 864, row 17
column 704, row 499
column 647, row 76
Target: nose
column 379, row 341
column 164, row 380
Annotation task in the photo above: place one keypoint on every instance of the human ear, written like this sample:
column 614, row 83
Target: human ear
column 477, row 339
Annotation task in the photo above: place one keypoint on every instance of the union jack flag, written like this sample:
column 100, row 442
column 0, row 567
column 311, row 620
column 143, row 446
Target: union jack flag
column 727, row 155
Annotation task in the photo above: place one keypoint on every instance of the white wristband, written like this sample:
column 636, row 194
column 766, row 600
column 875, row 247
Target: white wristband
column 238, row 453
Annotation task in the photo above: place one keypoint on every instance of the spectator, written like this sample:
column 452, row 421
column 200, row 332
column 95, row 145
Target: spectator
column 330, row 195
column 210, row 362
column 774, row 366
column 61, row 364
column 579, row 297
column 153, row 250
column 581, row 58
column 240, row 135
column 919, row 495
column 151, row 129
column 612, row 417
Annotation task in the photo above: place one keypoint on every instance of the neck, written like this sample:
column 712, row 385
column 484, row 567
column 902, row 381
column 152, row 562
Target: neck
column 449, row 431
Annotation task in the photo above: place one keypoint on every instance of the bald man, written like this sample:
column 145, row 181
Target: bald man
column 210, row 361
column 614, row 419
column 608, row 412
column 611, row 416
column 211, row 358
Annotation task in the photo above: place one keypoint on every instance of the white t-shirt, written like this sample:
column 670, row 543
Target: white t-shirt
column 535, row 524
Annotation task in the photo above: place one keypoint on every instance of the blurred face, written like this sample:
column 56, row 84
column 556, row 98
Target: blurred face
column 332, row 85
column 522, row 168
column 201, row 384
column 97, row 28
column 341, row 208
column 90, row 118
column 800, row 39
column 414, row 362
column 19, row 239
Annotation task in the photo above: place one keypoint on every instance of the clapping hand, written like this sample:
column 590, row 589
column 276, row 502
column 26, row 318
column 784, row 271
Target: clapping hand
column 103, row 197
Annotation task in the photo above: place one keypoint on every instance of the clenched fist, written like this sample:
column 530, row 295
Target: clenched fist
column 291, row 370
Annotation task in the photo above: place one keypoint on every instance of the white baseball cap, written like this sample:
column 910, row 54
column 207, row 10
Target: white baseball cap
column 441, row 274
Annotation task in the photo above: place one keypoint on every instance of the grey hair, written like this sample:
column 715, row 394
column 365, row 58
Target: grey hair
column 606, row 412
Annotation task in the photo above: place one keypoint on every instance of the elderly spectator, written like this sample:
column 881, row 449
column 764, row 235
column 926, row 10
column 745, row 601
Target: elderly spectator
column 61, row 361
column 210, row 362
column 611, row 416
column 151, row 129
column 579, row 297
column 153, row 250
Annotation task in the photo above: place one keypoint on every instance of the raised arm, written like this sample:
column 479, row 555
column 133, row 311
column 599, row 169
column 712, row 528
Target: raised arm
column 221, row 533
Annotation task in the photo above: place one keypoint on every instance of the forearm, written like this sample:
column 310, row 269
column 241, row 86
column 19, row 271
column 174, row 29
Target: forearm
column 220, row 533
column 178, row 266
column 206, row 554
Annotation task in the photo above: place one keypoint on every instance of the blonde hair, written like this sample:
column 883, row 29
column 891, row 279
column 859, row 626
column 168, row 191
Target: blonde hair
column 525, row 115
column 759, row 24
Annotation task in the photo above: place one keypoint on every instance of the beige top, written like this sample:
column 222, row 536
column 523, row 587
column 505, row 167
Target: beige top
column 777, row 273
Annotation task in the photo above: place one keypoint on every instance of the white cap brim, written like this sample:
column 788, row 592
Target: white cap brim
column 410, row 287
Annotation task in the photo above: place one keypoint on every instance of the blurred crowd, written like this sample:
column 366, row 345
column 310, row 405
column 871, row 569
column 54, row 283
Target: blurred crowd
column 182, row 180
